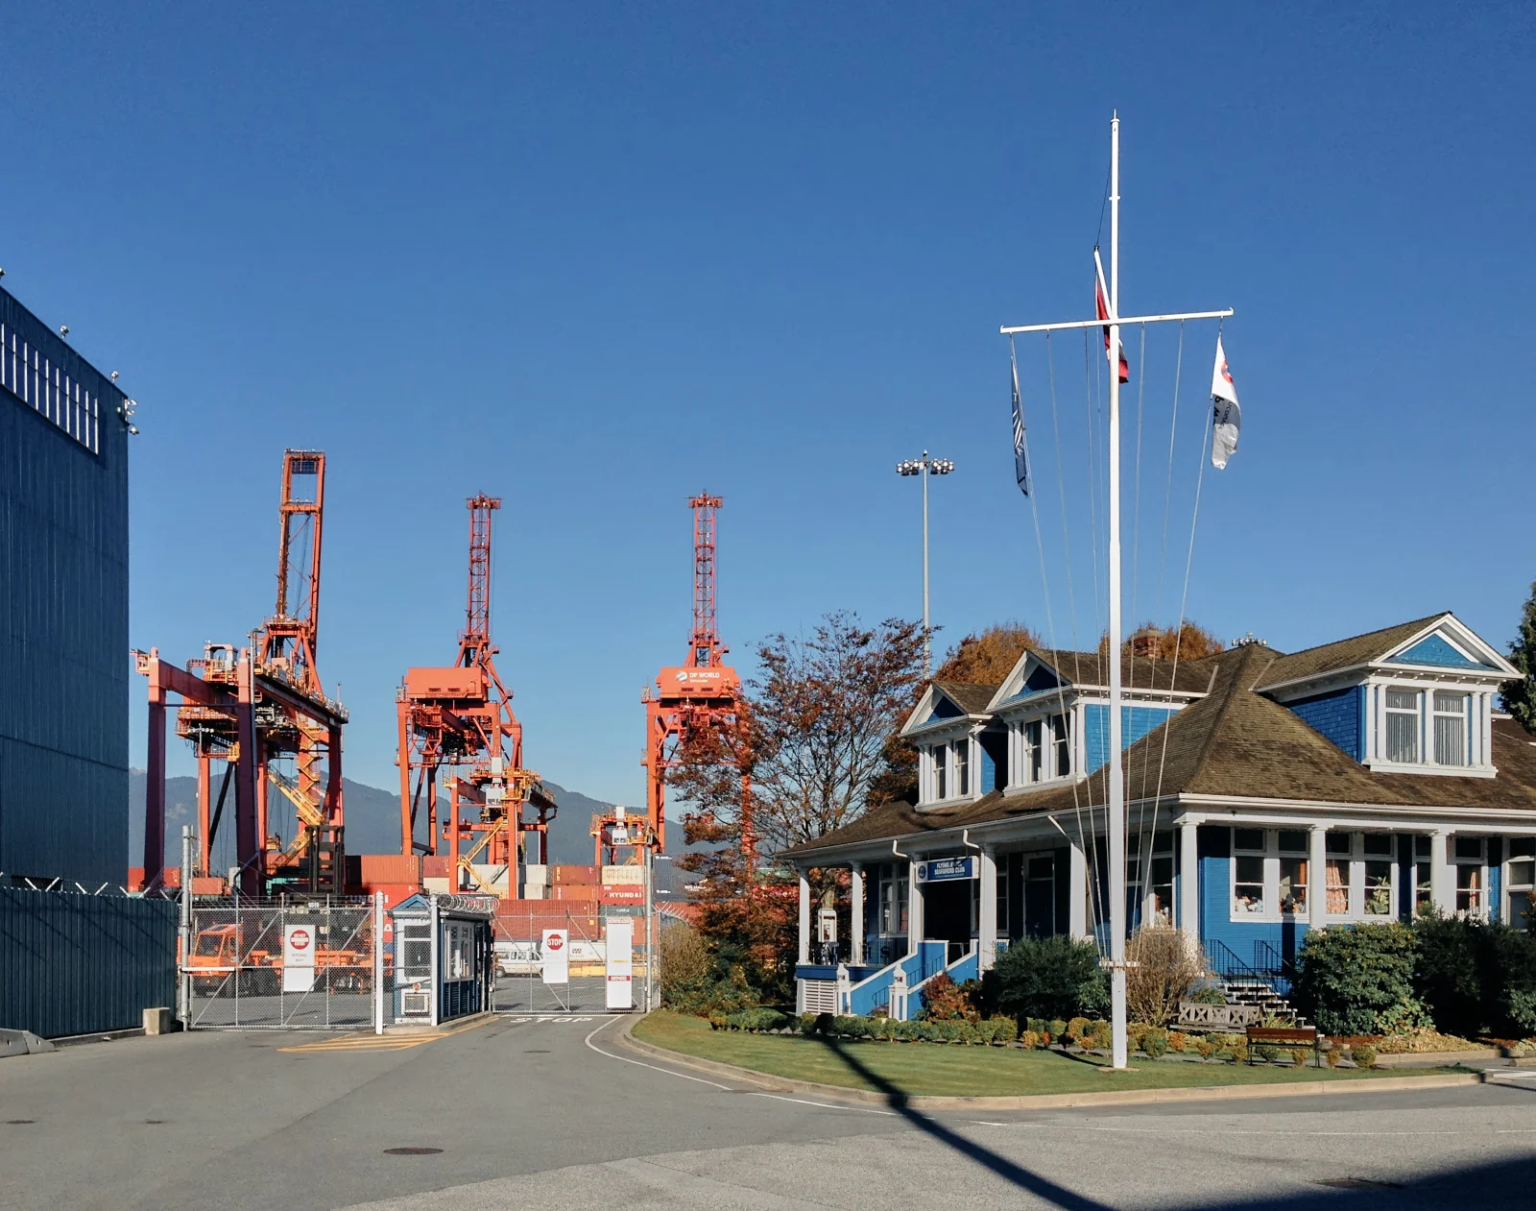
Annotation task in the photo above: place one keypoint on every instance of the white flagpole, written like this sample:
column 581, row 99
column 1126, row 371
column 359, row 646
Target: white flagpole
column 1116, row 773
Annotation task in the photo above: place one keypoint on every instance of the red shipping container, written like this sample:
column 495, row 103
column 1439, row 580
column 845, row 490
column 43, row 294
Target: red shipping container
column 587, row 875
column 434, row 866
column 389, row 868
column 622, row 893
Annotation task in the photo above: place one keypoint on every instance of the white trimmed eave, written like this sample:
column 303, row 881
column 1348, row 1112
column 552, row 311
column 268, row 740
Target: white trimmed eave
column 1219, row 809
column 945, row 729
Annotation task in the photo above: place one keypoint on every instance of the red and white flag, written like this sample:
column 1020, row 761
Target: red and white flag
column 1228, row 416
column 1101, row 298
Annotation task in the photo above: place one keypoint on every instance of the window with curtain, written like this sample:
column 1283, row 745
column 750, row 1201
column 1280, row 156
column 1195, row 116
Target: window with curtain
column 962, row 767
column 1248, row 851
column 1402, row 710
column 1378, row 874
column 940, row 771
column 1293, row 871
column 1450, row 728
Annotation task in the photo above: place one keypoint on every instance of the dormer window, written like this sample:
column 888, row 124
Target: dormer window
column 1042, row 750
column 1450, row 728
column 962, row 767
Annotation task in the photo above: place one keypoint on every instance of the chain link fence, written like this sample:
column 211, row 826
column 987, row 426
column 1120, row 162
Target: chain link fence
column 519, row 934
column 281, row 966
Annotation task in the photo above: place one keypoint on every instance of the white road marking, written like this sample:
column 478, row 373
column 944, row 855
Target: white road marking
column 642, row 1064
column 800, row 1101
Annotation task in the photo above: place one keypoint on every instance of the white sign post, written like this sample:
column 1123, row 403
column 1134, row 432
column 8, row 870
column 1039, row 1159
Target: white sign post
column 298, row 958
column 621, row 962
column 557, row 956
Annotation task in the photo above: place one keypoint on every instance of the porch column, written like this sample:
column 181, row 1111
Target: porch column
column 1077, row 891
column 805, row 917
column 1317, row 876
column 987, row 944
column 856, row 915
column 914, row 906
column 1189, row 878
column 1441, row 888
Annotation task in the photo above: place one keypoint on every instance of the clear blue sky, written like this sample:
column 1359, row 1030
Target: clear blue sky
column 596, row 261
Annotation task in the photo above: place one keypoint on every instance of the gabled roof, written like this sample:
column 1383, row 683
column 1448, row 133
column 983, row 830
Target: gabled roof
column 942, row 701
column 1092, row 669
column 1361, row 650
column 1234, row 742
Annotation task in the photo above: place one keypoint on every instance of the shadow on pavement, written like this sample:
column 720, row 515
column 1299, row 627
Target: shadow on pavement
column 1486, row 1187
column 1021, row 1177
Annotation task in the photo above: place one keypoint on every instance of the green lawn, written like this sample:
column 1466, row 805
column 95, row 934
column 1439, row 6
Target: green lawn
column 926, row 1069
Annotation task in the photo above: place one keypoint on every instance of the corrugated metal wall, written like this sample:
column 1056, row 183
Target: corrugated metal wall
column 64, row 667
column 76, row 964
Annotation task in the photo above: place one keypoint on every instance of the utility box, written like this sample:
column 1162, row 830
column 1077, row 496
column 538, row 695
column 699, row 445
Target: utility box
column 444, row 962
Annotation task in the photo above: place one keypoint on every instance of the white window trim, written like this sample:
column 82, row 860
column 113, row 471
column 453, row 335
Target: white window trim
column 1017, row 752
column 1479, row 734
column 1479, row 864
column 927, row 780
column 1317, row 880
column 1506, row 900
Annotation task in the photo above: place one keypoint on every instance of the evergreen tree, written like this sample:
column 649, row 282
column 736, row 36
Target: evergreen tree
column 1520, row 694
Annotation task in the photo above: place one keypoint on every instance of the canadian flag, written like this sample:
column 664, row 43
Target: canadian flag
column 1227, row 416
column 1101, row 298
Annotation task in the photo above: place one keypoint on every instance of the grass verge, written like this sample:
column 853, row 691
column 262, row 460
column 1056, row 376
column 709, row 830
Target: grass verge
column 930, row 1070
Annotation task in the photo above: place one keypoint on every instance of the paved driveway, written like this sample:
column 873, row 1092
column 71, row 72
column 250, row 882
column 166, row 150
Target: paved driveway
column 548, row 1112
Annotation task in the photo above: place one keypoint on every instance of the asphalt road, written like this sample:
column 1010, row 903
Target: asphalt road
column 552, row 1114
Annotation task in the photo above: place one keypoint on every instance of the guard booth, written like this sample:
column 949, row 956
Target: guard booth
column 445, row 967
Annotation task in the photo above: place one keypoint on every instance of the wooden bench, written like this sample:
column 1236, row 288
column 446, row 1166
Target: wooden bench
column 1284, row 1036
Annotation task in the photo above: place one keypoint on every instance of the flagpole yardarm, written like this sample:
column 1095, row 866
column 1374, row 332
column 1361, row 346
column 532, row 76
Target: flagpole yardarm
column 1017, row 330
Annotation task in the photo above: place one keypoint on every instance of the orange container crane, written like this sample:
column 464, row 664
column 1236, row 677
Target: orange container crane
column 459, row 719
column 700, row 696
column 255, row 708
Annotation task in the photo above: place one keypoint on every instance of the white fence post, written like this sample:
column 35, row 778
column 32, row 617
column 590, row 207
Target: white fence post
column 378, row 962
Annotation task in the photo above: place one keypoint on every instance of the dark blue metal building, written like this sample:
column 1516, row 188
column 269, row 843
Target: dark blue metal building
column 64, row 664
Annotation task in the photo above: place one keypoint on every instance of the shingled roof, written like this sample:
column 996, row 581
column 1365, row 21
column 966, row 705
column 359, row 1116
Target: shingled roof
column 970, row 697
column 1345, row 654
column 1136, row 672
column 1233, row 742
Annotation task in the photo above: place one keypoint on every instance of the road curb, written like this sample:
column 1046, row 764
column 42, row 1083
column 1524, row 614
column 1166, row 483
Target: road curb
column 1044, row 1101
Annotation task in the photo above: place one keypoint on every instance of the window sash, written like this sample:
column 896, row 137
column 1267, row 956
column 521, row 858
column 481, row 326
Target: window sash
column 1402, row 737
column 1450, row 739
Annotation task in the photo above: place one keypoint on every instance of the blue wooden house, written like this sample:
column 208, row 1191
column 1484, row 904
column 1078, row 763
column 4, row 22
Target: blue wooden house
column 1267, row 794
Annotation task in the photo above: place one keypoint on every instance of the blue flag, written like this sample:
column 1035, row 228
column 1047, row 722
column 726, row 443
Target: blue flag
column 1020, row 448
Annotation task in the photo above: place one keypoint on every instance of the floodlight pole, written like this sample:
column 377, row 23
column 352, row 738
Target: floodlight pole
column 1116, row 772
column 927, row 630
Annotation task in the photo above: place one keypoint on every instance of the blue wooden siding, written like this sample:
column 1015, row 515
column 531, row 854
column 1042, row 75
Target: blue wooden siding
column 943, row 708
column 994, row 760
column 76, row 964
column 1336, row 716
column 1217, row 929
column 1432, row 649
column 1135, row 722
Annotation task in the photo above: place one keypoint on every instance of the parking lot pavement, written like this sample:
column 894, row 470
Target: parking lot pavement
column 548, row 1111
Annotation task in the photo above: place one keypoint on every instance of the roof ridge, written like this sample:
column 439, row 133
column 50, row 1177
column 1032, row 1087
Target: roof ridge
column 1317, row 647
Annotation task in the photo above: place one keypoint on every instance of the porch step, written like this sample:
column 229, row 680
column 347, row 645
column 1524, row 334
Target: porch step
column 1261, row 994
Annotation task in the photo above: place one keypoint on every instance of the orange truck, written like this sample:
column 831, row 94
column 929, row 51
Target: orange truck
column 221, row 965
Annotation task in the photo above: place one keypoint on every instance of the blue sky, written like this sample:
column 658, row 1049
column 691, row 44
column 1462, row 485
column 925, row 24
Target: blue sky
column 595, row 261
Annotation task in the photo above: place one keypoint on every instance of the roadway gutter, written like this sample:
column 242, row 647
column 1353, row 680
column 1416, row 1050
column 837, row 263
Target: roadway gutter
column 1048, row 1101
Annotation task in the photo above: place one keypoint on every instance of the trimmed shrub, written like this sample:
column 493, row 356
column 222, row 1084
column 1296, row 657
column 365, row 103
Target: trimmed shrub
column 1351, row 979
column 1332, row 1056
column 1178, row 1041
column 807, row 1024
column 1476, row 978
column 1365, row 1057
column 1207, row 994
column 1267, row 1052
column 1057, row 1029
column 944, row 999
column 1155, row 1043
column 1056, row 976
column 1029, row 1039
column 1004, row 1030
column 1038, row 1025
column 1301, row 1057
column 1205, row 1048
column 1077, row 1030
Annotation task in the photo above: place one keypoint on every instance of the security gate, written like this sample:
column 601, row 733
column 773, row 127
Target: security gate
column 521, row 926
column 298, row 966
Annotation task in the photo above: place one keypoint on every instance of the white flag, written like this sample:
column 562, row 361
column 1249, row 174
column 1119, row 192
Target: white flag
column 1228, row 415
